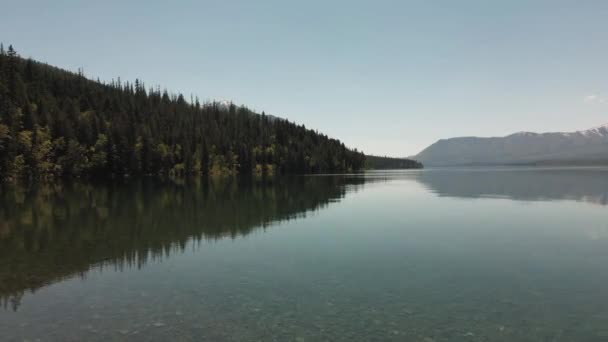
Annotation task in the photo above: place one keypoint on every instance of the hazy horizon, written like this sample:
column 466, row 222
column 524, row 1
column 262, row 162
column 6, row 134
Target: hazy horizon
column 388, row 78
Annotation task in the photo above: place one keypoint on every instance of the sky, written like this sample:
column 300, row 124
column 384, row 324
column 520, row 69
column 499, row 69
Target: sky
column 386, row 77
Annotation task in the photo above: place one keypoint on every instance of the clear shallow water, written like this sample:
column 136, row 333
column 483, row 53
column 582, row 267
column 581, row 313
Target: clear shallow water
column 431, row 255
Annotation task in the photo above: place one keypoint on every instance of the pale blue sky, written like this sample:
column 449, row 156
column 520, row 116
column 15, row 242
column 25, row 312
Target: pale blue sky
column 387, row 77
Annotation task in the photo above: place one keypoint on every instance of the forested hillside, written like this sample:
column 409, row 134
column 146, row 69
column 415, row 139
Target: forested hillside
column 385, row 163
column 57, row 123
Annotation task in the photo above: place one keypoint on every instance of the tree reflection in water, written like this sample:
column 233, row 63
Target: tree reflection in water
column 49, row 232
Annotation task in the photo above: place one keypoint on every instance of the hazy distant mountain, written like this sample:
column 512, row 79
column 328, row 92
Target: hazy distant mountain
column 582, row 147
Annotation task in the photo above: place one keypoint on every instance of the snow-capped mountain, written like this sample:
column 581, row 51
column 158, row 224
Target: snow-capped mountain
column 581, row 147
column 220, row 104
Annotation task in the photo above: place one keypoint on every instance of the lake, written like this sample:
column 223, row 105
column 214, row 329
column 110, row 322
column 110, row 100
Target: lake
column 496, row 254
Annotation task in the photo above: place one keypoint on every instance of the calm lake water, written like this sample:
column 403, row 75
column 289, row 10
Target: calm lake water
column 425, row 255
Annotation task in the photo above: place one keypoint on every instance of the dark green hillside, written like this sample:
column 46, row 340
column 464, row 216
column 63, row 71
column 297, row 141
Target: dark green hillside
column 57, row 123
column 385, row 163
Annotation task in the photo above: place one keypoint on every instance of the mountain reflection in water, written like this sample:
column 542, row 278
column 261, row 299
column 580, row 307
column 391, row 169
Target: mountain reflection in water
column 587, row 184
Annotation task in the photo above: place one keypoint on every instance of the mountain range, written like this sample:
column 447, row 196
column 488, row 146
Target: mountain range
column 528, row 148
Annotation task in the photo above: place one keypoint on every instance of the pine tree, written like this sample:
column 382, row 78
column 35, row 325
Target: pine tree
column 11, row 72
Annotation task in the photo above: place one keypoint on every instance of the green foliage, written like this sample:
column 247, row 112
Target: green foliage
column 57, row 123
column 4, row 136
column 99, row 155
column 17, row 167
column 42, row 153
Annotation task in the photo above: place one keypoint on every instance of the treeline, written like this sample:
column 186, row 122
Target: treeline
column 56, row 123
column 386, row 163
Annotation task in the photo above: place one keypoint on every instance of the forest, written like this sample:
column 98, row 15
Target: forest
column 386, row 163
column 55, row 123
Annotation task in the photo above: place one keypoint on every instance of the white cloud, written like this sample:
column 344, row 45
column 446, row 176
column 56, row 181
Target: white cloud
column 590, row 98
column 594, row 99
